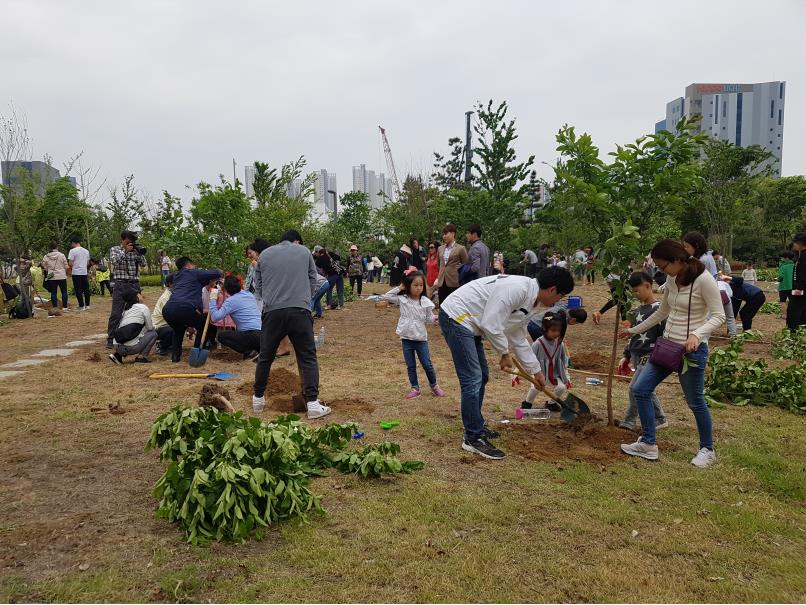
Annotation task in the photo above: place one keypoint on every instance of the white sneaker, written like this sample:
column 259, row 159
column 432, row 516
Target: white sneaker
column 704, row 458
column 640, row 449
column 258, row 403
column 87, row 308
column 81, row 308
column 317, row 410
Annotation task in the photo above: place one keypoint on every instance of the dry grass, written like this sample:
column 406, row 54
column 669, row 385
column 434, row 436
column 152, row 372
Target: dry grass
column 75, row 490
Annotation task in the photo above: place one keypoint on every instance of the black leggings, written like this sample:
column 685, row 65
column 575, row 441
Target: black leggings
column 749, row 309
column 181, row 316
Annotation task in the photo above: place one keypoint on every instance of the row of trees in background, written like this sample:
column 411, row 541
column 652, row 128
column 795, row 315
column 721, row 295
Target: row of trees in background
column 663, row 184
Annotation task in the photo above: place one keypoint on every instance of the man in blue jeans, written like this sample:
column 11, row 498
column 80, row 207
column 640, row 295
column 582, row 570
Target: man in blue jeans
column 498, row 307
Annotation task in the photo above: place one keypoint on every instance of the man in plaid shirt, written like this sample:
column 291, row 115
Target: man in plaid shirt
column 124, row 263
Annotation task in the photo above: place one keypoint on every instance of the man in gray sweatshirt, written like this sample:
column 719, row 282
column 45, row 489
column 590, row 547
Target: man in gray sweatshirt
column 285, row 276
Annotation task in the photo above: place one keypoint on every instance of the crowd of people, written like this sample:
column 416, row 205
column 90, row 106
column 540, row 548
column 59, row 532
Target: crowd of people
column 466, row 290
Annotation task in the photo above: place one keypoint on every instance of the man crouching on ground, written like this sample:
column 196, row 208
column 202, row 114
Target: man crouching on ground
column 285, row 276
column 499, row 308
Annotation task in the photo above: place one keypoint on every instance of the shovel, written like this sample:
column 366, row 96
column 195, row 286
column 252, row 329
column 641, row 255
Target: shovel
column 572, row 406
column 213, row 375
column 198, row 355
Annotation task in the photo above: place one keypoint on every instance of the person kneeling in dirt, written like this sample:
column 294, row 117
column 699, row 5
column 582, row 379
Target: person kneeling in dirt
column 285, row 276
column 498, row 307
column 552, row 356
column 639, row 348
column 241, row 307
column 135, row 334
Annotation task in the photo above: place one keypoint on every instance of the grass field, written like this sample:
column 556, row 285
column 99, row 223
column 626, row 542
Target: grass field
column 545, row 524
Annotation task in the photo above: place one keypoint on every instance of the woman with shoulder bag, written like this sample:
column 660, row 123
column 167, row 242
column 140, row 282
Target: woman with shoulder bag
column 693, row 309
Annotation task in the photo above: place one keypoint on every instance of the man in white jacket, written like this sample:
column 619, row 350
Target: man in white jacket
column 499, row 308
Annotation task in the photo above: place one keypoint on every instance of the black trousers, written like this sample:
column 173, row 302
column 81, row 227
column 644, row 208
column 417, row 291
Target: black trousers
column 748, row 310
column 796, row 313
column 181, row 316
column 121, row 288
column 242, row 342
column 297, row 324
column 105, row 284
column 444, row 291
column 54, row 286
column 81, row 286
column 165, row 338
column 353, row 279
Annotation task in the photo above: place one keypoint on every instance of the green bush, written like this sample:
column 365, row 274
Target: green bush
column 767, row 274
column 786, row 345
column 770, row 308
column 229, row 476
column 732, row 379
column 151, row 280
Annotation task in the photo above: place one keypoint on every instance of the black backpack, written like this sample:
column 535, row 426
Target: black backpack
column 10, row 291
column 128, row 332
column 20, row 311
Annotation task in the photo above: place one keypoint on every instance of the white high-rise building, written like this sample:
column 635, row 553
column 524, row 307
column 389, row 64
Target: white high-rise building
column 743, row 114
column 325, row 193
column 377, row 187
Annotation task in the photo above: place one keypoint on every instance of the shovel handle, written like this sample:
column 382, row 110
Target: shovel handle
column 206, row 323
column 178, row 375
column 521, row 371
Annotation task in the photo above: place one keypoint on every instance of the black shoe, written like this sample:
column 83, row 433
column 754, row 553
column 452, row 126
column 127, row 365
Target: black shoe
column 109, row 344
column 525, row 405
column 175, row 359
column 142, row 360
column 250, row 355
column 116, row 358
column 491, row 434
column 554, row 406
column 483, row 448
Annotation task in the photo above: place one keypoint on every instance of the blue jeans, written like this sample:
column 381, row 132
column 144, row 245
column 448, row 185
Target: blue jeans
column 420, row 347
column 535, row 330
column 467, row 352
column 316, row 299
column 336, row 281
column 632, row 410
column 693, row 383
column 163, row 276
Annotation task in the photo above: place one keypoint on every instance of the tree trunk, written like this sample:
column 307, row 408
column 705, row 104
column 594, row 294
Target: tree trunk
column 612, row 369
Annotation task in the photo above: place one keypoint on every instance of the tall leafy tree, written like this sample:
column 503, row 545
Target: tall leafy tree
column 449, row 172
column 62, row 213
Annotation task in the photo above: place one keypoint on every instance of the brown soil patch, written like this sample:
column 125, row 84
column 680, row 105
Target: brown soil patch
column 591, row 361
column 351, row 405
column 585, row 441
column 95, row 357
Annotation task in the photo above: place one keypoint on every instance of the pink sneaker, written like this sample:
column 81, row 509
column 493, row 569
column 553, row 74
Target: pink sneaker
column 412, row 394
column 437, row 391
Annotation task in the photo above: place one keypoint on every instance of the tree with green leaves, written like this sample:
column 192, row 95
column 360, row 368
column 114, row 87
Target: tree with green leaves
column 62, row 213
column 495, row 162
column 449, row 172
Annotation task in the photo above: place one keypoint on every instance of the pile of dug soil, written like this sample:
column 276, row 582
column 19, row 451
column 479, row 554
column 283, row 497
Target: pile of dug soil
column 591, row 361
column 587, row 440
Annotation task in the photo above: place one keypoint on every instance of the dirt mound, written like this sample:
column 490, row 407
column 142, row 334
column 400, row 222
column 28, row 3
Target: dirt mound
column 585, row 441
column 281, row 382
column 95, row 357
column 217, row 396
column 591, row 361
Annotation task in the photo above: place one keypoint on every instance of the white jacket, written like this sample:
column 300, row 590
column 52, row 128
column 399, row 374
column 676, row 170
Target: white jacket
column 499, row 307
column 414, row 315
column 138, row 313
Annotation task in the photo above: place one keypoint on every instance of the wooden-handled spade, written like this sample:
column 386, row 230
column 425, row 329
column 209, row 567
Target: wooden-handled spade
column 572, row 406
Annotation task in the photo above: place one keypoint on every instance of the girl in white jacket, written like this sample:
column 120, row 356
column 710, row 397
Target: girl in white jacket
column 415, row 314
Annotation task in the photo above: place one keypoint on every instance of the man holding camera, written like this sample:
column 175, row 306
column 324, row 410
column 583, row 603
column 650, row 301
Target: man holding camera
column 125, row 261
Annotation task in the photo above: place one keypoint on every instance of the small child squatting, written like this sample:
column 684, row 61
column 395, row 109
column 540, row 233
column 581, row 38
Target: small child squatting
column 550, row 352
column 415, row 314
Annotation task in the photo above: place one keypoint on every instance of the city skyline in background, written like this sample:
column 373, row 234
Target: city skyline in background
column 159, row 104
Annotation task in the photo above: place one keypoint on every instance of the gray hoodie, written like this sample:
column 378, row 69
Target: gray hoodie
column 285, row 276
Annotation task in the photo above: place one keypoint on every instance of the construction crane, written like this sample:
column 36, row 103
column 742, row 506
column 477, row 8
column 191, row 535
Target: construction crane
column 390, row 163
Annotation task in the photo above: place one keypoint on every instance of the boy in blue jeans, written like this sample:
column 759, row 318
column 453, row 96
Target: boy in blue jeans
column 640, row 346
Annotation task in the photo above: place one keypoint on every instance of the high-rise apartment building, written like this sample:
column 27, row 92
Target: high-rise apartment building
column 742, row 114
column 377, row 187
column 325, row 193
column 41, row 172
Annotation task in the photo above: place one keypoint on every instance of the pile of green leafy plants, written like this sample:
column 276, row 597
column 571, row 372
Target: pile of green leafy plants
column 740, row 381
column 767, row 274
column 230, row 476
column 770, row 308
column 788, row 345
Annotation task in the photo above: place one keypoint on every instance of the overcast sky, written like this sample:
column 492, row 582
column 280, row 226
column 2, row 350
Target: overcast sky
column 173, row 91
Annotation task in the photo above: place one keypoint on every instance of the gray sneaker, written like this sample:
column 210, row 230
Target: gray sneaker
column 640, row 449
column 662, row 424
column 704, row 458
column 630, row 426
column 258, row 403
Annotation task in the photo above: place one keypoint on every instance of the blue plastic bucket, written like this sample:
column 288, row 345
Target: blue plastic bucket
column 574, row 302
